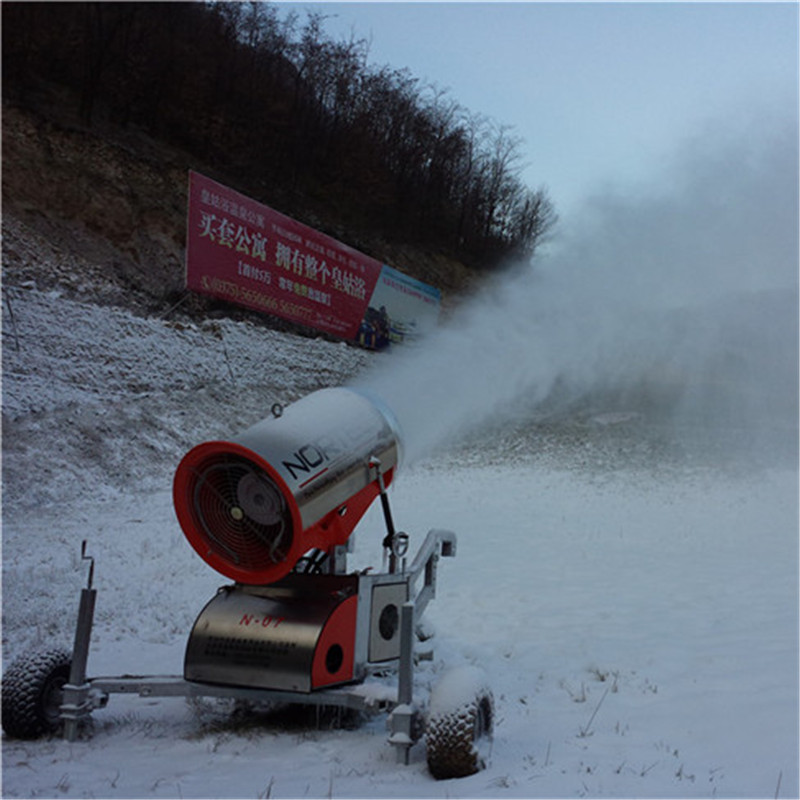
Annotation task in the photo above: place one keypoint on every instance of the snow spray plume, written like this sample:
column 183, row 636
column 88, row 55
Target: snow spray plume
column 682, row 305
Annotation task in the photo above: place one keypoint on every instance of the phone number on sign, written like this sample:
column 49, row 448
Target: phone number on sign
column 255, row 299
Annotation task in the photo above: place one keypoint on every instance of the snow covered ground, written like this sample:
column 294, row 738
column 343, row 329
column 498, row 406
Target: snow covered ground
column 635, row 607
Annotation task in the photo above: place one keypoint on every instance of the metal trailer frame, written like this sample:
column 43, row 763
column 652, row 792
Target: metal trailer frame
column 82, row 694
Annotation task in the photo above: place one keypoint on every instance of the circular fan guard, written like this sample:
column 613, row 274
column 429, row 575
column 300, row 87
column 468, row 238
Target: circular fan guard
column 240, row 512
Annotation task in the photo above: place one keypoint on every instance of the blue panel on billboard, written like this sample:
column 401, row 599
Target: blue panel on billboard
column 400, row 309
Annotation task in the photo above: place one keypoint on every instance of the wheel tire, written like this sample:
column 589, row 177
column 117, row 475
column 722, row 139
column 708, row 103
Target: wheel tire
column 460, row 724
column 32, row 693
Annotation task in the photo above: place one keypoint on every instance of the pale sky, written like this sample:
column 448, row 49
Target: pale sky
column 601, row 93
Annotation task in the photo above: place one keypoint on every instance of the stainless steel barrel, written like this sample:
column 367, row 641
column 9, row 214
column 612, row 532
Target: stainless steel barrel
column 253, row 505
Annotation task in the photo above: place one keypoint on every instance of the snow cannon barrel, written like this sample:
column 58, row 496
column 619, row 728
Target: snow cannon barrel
column 251, row 507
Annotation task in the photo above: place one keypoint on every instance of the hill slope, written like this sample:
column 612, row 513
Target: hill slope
column 109, row 207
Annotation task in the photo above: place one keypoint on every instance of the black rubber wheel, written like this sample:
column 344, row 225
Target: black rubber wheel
column 32, row 693
column 460, row 724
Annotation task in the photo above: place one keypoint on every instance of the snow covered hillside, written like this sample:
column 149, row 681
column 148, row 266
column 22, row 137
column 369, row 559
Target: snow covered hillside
column 634, row 605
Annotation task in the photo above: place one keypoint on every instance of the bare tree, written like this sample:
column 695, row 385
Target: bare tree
column 284, row 108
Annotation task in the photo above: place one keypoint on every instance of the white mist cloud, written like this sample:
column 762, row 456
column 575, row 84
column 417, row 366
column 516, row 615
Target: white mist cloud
column 688, row 290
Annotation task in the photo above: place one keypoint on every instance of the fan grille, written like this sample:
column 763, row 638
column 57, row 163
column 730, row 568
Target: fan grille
column 240, row 512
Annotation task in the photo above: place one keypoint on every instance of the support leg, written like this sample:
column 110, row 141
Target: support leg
column 403, row 717
column 77, row 703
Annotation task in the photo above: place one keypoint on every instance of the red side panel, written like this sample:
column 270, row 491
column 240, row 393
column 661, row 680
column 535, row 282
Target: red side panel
column 335, row 652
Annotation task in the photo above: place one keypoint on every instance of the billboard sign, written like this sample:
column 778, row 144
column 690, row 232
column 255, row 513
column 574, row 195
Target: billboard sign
column 247, row 253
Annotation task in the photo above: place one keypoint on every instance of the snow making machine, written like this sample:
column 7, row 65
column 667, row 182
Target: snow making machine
column 273, row 510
